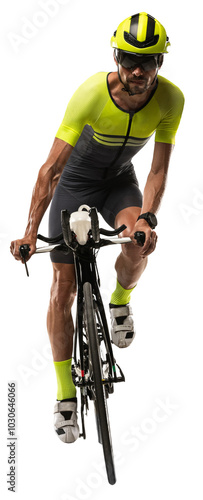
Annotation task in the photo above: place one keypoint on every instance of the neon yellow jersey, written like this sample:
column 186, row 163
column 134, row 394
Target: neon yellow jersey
column 104, row 134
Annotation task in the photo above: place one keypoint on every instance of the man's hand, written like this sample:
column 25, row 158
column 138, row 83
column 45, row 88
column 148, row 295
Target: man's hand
column 150, row 237
column 27, row 240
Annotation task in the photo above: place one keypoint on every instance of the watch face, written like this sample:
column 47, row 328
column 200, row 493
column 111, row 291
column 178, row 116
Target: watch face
column 153, row 220
column 150, row 218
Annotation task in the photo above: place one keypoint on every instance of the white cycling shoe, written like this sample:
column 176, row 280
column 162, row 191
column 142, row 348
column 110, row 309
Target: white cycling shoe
column 65, row 421
column 122, row 325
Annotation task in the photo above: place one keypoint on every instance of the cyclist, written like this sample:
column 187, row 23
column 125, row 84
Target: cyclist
column 108, row 120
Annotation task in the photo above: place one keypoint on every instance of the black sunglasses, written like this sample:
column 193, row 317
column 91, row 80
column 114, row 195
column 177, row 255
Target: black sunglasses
column 130, row 61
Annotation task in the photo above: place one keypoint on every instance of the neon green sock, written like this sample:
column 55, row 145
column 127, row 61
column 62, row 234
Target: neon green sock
column 121, row 296
column 66, row 388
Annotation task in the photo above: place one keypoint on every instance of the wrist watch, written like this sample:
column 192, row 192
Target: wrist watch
column 150, row 218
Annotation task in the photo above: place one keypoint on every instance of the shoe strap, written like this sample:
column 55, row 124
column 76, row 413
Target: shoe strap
column 123, row 328
column 65, row 406
column 65, row 423
column 116, row 312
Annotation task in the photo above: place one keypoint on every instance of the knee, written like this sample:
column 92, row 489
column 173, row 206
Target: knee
column 62, row 293
column 133, row 253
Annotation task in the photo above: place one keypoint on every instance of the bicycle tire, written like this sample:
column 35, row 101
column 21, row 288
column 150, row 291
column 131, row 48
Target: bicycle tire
column 95, row 224
column 101, row 404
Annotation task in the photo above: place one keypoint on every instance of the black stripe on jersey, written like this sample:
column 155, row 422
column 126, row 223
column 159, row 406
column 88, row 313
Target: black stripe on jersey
column 108, row 135
column 135, row 141
column 150, row 27
column 116, row 140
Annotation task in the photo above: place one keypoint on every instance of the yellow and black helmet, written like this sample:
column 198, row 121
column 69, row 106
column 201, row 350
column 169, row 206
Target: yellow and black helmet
column 141, row 34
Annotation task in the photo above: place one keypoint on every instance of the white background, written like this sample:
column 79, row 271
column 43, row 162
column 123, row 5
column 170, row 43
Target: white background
column 154, row 459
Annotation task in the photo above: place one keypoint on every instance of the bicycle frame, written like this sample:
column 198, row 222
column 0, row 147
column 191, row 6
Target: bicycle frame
column 86, row 271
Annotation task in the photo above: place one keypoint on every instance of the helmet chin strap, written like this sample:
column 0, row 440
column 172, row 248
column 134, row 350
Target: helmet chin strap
column 124, row 89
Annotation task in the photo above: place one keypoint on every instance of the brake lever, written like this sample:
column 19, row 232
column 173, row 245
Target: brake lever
column 24, row 252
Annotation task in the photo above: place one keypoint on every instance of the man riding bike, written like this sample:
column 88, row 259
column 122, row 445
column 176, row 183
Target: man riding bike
column 108, row 120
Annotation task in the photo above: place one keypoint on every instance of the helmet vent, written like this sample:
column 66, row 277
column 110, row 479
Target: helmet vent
column 134, row 25
column 141, row 45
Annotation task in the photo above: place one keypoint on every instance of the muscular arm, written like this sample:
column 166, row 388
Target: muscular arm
column 153, row 192
column 47, row 181
column 156, row 181
column 48, row 177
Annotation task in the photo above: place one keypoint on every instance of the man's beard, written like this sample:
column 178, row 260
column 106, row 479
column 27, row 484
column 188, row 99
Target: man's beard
column 136, row 89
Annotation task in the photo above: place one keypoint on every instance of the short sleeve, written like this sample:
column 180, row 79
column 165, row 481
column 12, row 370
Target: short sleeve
column 171, row 112
column 82, row 109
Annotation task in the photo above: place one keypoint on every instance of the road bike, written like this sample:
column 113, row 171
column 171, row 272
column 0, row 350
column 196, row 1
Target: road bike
column 94, row 368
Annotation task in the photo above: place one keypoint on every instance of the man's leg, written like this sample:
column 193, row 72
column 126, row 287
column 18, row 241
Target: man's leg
column 60, row 326
column 129, row 266
column 59, row 318
column 60, row 329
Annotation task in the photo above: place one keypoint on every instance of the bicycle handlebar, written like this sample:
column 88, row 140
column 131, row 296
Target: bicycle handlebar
column 102, row 231
column 67, row 241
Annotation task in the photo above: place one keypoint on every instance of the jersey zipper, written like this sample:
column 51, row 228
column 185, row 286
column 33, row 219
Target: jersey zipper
column 131, row 114
column 119, row 153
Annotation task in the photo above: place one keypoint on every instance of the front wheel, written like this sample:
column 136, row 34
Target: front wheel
column 100, row 393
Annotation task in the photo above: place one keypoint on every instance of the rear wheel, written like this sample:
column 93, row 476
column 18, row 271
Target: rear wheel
column 102, row 418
